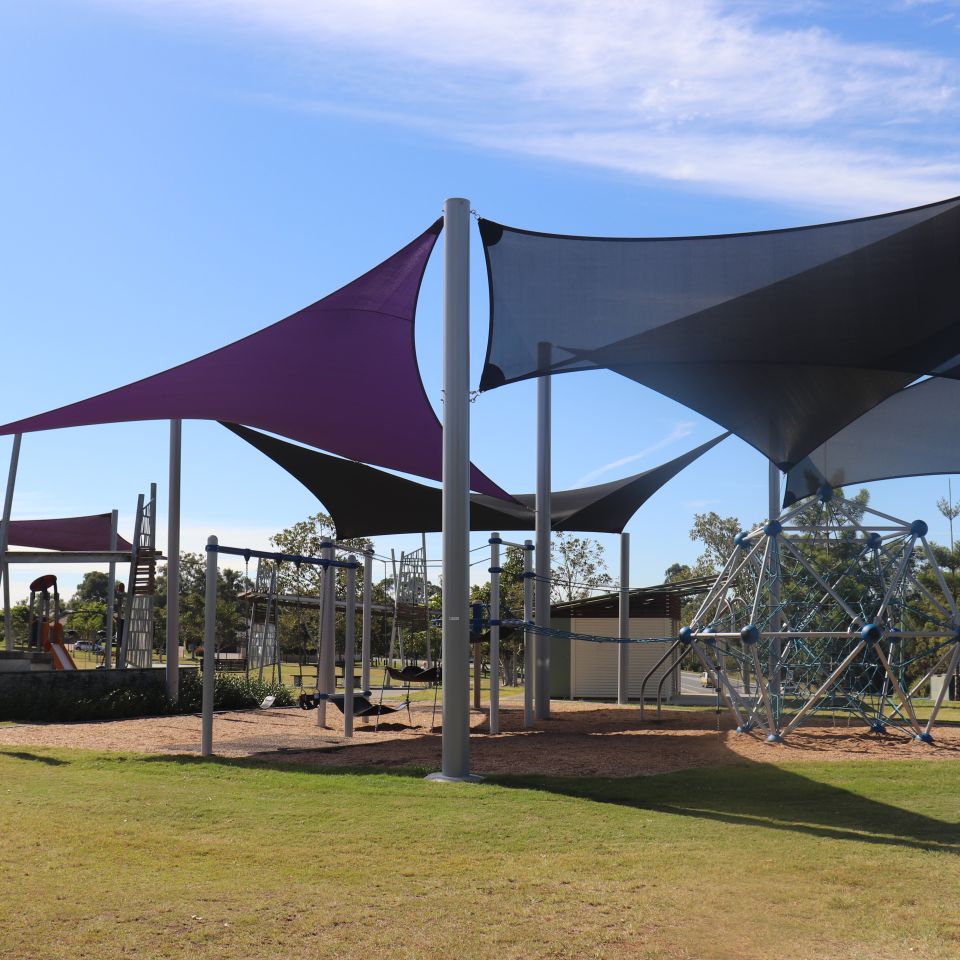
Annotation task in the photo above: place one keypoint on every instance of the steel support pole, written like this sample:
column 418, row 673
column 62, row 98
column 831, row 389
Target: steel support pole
column 7, row 613
column 542, row 536
column 349, row 645
column 494, row 633
column 529, row 640
column 327, row 641
column 775, row 649
column 366, row 625
column 209, row 649
column 111, row 596
column 5, row 537
column 623, row 649
column 173, row 564
column 426, row 605
column 456, row 490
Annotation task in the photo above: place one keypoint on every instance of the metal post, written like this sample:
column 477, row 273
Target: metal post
column 350, row 626
column 456, row 491
column 494, row 633
column 774, row 569
column 173, row 564
column 366, row 625
column 542, row 535
column 396, row 611
column 326, row 658
column 209, row 649
column 4, row 537
column 111, row 595
column 529, row 638
column 426, row 605
column 7, row 613
column 623, row 649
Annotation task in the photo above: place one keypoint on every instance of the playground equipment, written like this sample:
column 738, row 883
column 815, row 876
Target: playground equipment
column 136, row 643
column 44, row 627
column 828, row 608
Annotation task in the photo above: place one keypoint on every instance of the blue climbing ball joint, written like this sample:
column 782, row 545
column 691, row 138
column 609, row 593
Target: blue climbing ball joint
column 750, row 634
column 774, row 738
column 871, row 633
column 685, row 635
column 825, row 494
column 709, row 639
column 741, row 541
column 918, row 528
column 878, row 727
column 924, row 738
column 874, row 540
column 773, row 528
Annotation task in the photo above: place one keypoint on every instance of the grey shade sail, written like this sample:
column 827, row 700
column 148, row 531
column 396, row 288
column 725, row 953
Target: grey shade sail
column 911, row 434
column 783, row 337
column 366, row 502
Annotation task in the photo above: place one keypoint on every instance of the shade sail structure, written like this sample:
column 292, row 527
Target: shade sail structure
column 67, row 533
column 340, row 374
column 784, row 336
column 911, row 434
column 366, row 502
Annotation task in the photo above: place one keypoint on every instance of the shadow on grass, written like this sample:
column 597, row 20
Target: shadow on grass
column 761, row 795
column 34, row 758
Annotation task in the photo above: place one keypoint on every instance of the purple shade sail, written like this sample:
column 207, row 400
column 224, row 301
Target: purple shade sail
column 66, row 533
column 340, row 374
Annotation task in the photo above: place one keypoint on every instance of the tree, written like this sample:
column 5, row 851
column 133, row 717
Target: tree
column 950, row 510
column 305, row 538
column 577, row 564
column 93, row 586
column 87, row 617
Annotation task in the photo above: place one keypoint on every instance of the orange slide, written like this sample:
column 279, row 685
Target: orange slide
column 45, row 615
column 61, row 656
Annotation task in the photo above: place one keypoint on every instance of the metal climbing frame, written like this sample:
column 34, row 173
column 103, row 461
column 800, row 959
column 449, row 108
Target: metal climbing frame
column 834, row 608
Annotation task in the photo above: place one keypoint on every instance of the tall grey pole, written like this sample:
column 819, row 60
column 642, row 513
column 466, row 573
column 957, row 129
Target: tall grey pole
column 173, row 564
column 455, row 644
column 529, row 638
column 111, row 595
column 494, row 633
column 623, row 649
column 542, row 535
column 349, row 652
column 366, row 625
column 426, row 605
column 773, row 571
column 5, row 537
column 209, row 649
column 7, row 618
column 326, row 658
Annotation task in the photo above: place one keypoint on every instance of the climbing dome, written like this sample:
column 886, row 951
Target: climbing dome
column 833, row 608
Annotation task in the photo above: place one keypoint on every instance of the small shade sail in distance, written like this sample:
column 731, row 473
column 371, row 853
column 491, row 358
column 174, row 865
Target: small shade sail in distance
column 910, row 434
column 291, row 378
column 366, row 502
column 65, row 534
column 781, row 336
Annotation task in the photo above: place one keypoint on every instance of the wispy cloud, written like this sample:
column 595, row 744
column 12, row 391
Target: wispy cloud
column 726, row 95
column 681, row 429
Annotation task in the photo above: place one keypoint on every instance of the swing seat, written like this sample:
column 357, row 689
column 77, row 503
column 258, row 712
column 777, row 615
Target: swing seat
column 414, row 674
column 363, row 706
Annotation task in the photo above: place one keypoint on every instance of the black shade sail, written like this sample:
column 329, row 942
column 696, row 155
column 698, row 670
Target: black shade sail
column 783, row 336
column 366, row 502
column 911, row 434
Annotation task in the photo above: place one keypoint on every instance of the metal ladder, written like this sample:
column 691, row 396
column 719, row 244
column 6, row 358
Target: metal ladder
column 136, row 646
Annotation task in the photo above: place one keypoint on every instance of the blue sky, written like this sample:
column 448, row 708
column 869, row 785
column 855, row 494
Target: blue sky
column 178, row 173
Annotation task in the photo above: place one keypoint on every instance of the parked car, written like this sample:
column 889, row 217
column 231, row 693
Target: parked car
column 82, row 645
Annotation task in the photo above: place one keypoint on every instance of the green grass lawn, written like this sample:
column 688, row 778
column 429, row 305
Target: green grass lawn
column 109, row 856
